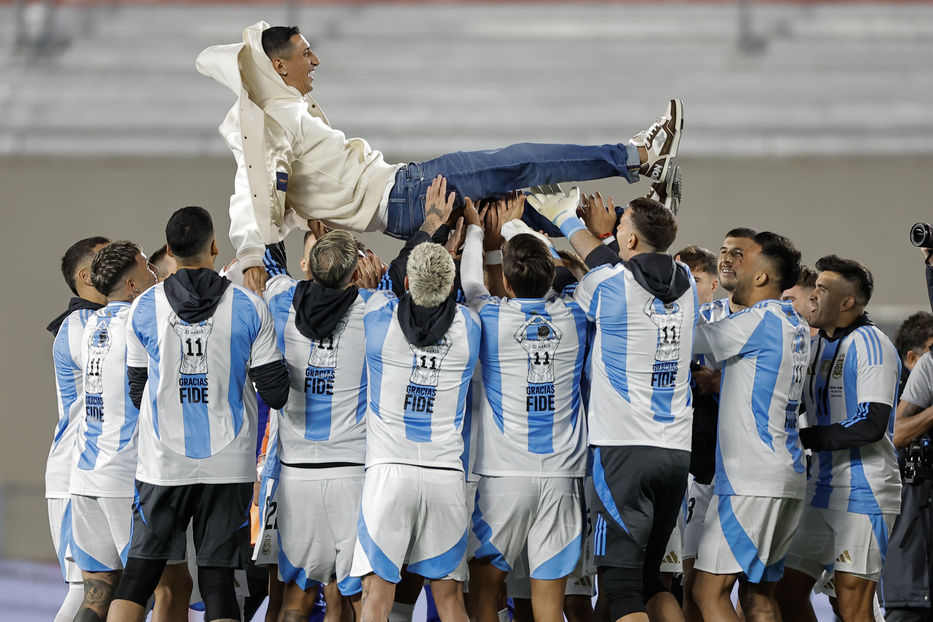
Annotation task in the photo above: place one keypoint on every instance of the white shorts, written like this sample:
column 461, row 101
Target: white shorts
column 579, row 583
column 698, row 496
column 544, row 512
column 266, row 549
column 415, row 515
column 849, row 542
column 62, row 539
column 102, row 528
column 748, row 535
column 317, row 527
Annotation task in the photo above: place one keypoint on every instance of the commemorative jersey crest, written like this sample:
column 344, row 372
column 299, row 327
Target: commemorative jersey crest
column 669, row 320
column 426, row 369
column 193, row 344
column 98, row 348
column 324, row 351
column 540, row 339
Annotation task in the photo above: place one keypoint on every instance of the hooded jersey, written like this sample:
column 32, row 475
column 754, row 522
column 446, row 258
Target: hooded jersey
column 69, row 389
column 417, row 394
column 198, row 419
column 532, row 354
column 645, row 311
column 765, row 351
column 323, row 420
column 845, row 375
column 105, row 452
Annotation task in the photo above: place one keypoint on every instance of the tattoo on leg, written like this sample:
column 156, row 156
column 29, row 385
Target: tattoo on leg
column 87, row 615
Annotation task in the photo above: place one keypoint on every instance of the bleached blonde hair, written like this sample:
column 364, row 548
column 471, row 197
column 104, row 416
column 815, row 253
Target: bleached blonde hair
column 430, row 274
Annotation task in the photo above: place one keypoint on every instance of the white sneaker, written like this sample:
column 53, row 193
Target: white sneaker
column 661, row 140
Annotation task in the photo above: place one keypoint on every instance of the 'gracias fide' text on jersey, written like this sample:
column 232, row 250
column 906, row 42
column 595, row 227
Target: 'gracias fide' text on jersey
column 421, row 423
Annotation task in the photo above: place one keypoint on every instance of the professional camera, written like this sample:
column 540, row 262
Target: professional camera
column 921, row 234
column 918, row 462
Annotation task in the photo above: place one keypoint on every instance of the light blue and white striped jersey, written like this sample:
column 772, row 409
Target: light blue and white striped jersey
column 198, row 419
column 640, row 390
column 765, row 351
column 323, row 420
column 105, row 451
column 532, row 354
column 417, row 395
column 713, row 312
column 845, row 376
column 69, row 388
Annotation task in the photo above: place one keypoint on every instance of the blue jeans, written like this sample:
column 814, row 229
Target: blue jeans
column 492, row 173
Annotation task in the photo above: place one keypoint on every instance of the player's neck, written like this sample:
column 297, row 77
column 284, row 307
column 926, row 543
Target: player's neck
column 733, row 305
column 89, row 293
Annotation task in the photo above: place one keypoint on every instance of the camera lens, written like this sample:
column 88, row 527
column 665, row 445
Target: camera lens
column 921, row 234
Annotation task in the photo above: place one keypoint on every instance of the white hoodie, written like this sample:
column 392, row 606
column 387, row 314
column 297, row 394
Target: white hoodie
column 291, row 165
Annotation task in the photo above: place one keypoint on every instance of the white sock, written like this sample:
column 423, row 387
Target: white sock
column 879, row 616
column 72, row 603
column 401, row 612
column 504, row 615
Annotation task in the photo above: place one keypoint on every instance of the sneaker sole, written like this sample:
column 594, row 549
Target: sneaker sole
column 676, row 108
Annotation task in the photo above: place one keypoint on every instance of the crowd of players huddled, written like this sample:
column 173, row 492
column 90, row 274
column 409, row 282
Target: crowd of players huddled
column 514, row 423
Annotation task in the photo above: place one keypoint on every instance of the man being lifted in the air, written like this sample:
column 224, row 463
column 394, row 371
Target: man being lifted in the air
column 290, row 162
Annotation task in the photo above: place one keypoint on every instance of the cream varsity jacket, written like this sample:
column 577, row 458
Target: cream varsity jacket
column 291, row 164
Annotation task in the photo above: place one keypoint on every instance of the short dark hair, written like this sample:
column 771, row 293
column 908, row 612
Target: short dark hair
column 698, row 259
column 656, row 224
column 807, row 277
column 527, row 264
column 854, row 273
column 783, row 256
column 189, row 231
column 77, row 255
column 913, row 333
column 111, row 265
column 277, row 41
column 159, row 254
column 742, row 232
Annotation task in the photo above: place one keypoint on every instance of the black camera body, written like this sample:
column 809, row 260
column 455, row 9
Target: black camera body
column 918, row 461
column 921, row 234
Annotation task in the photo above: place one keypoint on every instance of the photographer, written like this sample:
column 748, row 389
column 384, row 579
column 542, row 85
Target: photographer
column 906, row 577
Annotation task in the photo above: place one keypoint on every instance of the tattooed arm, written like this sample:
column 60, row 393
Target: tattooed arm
column 437, row 205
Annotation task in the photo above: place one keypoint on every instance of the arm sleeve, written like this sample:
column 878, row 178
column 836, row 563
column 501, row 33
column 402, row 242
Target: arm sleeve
column 728, row 337
column 562, row 278
column 602, row 255
column 274, row 259
column 866, row 426
column 271, row 382
column 440, row 236
column 394, row 279
column 471, row 266
column 137, row 378
column 919, row 387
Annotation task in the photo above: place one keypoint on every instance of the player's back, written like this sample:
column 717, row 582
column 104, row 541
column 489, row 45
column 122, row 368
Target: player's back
column 324, row 419
column 417, row 394
column 199, row 415
column 532, row 353
column 846, row 374
column 105, row 460
column 640, row 391
column 765, row 350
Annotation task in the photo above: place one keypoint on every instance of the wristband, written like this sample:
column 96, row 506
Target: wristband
column 609, row 240
column 571, row 225
column 493, row 258
column 604, row 236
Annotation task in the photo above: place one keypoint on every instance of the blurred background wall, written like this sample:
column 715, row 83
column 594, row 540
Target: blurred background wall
column 810, row 119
